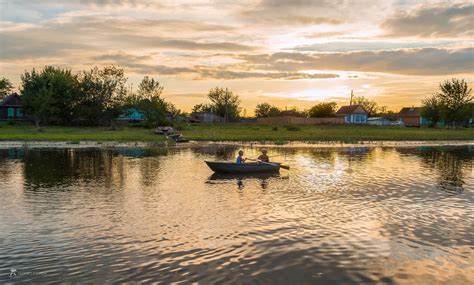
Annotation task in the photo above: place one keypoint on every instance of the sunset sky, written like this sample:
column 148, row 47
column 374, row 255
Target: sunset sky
column 289, row 53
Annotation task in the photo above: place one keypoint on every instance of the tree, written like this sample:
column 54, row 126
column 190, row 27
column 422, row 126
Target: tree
column 5, row 87
column 370, row 106
column 38, row 96
column 150, row 103
column 432, row 109
column 265, row 110
column 224, row 103
column 149, row 88
column 103, row 94
column 323, row 110
column 456, row 99
column 60, row 84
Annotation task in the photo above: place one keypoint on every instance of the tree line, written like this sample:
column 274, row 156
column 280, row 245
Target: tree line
column 453, row 104
column 320, row 110
column 92, row 97
column 99, row 96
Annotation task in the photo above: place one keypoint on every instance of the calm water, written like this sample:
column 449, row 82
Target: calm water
column 339, row 216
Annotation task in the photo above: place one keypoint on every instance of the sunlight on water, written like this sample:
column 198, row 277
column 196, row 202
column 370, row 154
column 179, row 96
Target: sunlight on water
column 339, row 216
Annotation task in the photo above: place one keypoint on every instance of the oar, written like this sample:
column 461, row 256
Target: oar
column 281, row 165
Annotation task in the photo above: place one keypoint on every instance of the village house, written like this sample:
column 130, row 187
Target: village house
column 353, row 114
column 11, row 108
column 411, row 117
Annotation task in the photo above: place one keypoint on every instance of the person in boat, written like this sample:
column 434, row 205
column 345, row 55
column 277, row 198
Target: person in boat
column 264, row 157
column 240, row 158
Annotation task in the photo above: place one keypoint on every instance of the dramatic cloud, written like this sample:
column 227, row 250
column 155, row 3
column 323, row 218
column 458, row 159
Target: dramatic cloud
column 425, row 61
column 303, row 49
column 445, row 21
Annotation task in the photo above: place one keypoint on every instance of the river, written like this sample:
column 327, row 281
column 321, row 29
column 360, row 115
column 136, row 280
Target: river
column 339, row 216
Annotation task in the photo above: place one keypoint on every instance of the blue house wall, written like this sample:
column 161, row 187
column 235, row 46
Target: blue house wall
column 355, row 119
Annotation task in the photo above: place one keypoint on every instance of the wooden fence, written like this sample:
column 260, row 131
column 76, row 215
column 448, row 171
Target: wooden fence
column 299, row 121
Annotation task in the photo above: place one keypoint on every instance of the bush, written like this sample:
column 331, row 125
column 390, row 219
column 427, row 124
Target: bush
column 293, row 128
column 11, row 123
column 275, row 128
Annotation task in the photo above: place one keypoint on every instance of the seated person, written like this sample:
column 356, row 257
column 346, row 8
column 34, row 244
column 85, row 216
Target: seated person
column 264, row 157
column 240, row 158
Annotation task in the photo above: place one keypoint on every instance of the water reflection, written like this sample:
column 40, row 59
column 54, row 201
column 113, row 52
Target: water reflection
column 339, row 216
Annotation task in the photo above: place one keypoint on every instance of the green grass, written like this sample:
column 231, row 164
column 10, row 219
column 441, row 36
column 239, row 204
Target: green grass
column 339, row 133
column 234, row 132
column 75, row 134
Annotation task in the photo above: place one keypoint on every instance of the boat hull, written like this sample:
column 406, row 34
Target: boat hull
column 234, row 168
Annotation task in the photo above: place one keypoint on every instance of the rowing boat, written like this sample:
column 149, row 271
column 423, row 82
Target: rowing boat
column 251, row 167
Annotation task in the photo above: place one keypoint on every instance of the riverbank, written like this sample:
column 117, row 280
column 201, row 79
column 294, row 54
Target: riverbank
column 261, row 134
column 297, row 144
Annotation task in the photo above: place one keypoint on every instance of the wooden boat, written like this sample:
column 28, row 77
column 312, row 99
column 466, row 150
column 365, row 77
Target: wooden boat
column 249, row 167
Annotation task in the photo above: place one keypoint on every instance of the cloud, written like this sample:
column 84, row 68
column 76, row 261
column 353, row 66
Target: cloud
column 432, row 22
column 424, row 61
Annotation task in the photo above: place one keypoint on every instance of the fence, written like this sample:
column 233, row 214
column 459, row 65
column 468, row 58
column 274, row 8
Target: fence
column 299, row 121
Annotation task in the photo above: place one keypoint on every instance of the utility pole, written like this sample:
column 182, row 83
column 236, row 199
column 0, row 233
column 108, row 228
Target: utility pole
column 352, row 95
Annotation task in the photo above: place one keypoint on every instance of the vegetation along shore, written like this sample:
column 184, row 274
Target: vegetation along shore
column 237, row 132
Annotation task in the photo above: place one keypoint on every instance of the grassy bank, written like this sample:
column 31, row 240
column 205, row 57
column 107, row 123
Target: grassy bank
column 76, row 134
column 342, row 133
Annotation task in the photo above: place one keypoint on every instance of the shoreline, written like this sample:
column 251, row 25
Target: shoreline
column 293, row 144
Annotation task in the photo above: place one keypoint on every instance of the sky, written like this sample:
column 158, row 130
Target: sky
column 288, row 53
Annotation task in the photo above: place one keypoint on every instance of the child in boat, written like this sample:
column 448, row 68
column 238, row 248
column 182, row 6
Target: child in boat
column 264, row 157
column 240, row 158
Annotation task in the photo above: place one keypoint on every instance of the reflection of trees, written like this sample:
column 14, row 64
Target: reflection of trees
column 225, row 152
column 449, row 163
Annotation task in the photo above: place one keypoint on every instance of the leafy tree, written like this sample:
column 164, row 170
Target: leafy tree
column 61, row 84
column 103, row 94
column 149, row 88
column 456, row 99
column 369, row 105
column 224, row 103
column 5, row 87
column 38, row 96
column 264, row 110
column 432, row 109
column 150, row 103
column 323, row 110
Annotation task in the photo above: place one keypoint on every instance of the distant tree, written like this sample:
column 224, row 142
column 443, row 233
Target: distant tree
column 456, row 100
column 5, row 87
column 150, row 102
column 225, row 103
column 103, row 94
column 369, row 105
column 432, row 109
column 264, row 110
column 203, row 107
column 322, row 110
column 149, row 88
column 38, row 96
column 175, row 112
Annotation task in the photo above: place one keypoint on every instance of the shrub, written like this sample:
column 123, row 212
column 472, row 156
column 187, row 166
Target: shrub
column 11, row 123
column 275, row 128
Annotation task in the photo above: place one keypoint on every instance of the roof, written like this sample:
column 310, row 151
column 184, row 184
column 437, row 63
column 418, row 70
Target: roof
column 410, row 112
column 351, row 109
column 11, row 100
